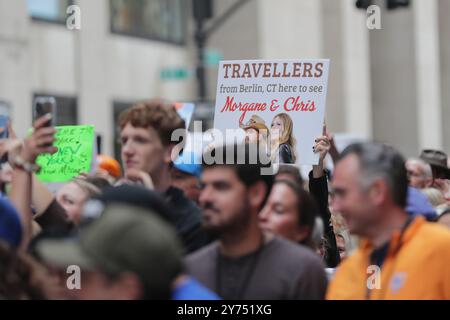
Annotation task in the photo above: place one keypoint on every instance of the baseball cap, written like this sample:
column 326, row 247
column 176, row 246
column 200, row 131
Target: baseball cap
column 124, row 239
column 190, row 163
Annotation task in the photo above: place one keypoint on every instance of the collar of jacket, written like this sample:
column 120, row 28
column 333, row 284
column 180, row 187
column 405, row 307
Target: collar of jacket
column 397, row 239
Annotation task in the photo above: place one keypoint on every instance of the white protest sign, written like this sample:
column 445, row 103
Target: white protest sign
column 287, row 97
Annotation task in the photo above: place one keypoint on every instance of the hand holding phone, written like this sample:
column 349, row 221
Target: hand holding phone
column 43, row 106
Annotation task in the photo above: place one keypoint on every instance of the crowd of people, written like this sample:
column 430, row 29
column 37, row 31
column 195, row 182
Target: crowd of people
column 182, row 228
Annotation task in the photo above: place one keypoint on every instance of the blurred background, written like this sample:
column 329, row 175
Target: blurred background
column 391, row 84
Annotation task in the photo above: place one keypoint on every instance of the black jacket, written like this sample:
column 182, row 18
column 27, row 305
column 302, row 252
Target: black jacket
column 318, row 187
column 285, row 154
column 188, row 220
column 55, row 218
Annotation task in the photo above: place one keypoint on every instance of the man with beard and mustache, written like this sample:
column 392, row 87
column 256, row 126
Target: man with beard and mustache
column 245, row 262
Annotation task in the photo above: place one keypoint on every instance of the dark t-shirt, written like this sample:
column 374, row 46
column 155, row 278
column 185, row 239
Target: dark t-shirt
column 283, row 270
column 188, row 221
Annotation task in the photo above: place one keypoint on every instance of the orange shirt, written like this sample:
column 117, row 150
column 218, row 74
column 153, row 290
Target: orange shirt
column 417, row 266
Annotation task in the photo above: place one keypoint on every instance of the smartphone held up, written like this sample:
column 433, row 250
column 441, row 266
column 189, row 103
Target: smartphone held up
column 44, row 106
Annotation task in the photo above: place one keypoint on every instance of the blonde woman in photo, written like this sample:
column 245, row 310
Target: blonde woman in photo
column 282, row 141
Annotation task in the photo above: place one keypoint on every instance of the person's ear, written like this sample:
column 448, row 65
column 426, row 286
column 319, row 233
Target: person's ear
column 378, row 191
column 257, row 193
column 170, row 153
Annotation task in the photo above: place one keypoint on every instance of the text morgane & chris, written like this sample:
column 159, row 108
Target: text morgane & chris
column 290, row 104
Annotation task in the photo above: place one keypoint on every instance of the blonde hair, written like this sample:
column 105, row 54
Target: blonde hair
column 338, row 223
column 434, row 196
column 340, row 229
column 286, row 136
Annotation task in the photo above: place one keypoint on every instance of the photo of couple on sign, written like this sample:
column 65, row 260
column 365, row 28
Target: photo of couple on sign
column 278, row 140
column 286, row 134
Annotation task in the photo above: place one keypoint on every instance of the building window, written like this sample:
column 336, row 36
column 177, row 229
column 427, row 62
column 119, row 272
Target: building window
column 49, row 10
column 66, row 109
column 162, row 20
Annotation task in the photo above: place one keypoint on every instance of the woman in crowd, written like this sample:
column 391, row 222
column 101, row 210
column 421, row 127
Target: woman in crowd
column 345, row 242
column 293, row 213
column 73, row 195
column 290, row 212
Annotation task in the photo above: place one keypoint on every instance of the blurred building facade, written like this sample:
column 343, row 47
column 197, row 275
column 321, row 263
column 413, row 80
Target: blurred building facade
column 391, row 85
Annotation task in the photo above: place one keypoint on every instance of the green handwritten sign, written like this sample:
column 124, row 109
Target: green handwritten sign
column 74, row 156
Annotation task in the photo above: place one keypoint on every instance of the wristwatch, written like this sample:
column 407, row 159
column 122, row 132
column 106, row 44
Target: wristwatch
column 20, row 163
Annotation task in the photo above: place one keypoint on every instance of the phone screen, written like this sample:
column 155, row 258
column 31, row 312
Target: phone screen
column 43, row 106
